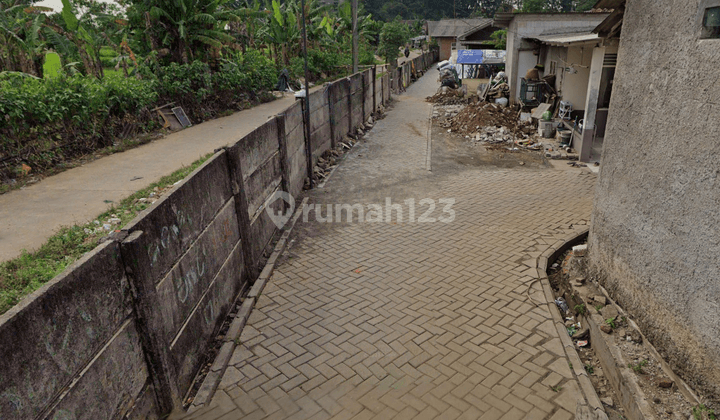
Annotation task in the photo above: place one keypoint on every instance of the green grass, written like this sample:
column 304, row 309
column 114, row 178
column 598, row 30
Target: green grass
column 638, row 367
column 28, row 272
column 52, row 65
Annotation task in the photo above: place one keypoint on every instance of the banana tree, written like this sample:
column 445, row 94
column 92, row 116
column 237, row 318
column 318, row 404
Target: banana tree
column 344, row 22
column 282, row 30
column 191, row 26
column 22, row 46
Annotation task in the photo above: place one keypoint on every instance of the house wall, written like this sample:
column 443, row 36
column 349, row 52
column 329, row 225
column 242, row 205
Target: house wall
column 526, row 60
column 531, row 25
column 575, row 86
column 559, row 55
column 655, row 236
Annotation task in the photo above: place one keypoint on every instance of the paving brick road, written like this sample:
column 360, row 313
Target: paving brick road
column 414, row 320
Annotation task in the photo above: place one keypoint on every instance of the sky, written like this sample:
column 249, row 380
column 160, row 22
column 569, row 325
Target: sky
column 57, row 4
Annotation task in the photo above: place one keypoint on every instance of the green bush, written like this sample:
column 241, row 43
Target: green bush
column 261, row 70
column 331, row 64
column 75, row 100
column 48, row 121
column 192, row 82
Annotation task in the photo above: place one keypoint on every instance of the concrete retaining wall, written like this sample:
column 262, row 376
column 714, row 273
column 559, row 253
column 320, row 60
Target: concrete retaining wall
column 123, row 331
column 655, row 229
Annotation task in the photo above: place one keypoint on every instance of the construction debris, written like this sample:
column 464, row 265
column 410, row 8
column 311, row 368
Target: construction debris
column 449, row 98
column 487, row 123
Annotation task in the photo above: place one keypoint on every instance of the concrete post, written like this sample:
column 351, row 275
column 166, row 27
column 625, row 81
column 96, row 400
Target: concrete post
column 350, row 118
column 332, row 114
column 364, row 95
column 241, row 210
column 374, row 88
column 283, row 152
column 137, row 266
column 591, row 102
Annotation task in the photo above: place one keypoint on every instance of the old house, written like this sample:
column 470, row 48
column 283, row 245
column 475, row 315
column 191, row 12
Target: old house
column 580, row 62
column 447, row 32
column 655, row 236
column 478, row 37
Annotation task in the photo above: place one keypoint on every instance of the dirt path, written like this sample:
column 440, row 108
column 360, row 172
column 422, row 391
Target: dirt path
column 402, row 319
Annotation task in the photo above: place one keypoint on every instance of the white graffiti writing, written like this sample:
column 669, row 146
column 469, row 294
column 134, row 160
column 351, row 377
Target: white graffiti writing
column 168, row 234
column 185, row 284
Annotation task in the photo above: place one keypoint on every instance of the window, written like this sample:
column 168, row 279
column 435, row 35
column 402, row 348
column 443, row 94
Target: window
column 553, row 67
column 711, row 23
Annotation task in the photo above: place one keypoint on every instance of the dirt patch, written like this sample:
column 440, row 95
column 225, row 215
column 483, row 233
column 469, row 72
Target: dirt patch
column 414, row 129
column 451, row 148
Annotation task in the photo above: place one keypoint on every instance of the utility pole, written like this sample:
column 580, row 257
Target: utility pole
column 454, row 11
column 355, row 46
column 306, row 102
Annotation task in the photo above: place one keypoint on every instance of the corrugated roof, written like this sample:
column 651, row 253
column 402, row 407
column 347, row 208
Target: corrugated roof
column 453, row 28
column 487, row 23
column 564, row 39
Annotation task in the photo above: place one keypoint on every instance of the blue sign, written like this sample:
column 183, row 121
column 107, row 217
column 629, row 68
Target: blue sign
column 470, row 57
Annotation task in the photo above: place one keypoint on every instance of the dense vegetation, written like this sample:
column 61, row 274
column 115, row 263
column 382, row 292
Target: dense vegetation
column 88, row 76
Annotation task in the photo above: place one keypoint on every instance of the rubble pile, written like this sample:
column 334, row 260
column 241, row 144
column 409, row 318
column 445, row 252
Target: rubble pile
column 487, row 123
column 478, row 116
column 448, row 98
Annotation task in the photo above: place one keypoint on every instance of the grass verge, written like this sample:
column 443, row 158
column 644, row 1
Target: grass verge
column 23, row 275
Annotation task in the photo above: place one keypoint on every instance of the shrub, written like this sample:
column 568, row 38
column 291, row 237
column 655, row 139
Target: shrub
column 47, row 121
column 260, row 70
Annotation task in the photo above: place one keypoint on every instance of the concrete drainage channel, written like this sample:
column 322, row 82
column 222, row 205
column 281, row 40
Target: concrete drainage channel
column 632, row 402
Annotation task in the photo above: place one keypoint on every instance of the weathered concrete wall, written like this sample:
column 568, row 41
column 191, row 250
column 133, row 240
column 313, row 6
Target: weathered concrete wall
column 295, row 140
column 123, row 331
column 356, row 99
column 75, row 332
column 182, row 257
column 338, row 98
column 655, row 235
column 319, row 123
column 368, row 100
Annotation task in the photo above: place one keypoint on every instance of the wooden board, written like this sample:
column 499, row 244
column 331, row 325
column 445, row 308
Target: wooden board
column 540, row 110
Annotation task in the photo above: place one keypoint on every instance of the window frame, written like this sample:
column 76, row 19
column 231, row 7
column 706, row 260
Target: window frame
column 700, row 19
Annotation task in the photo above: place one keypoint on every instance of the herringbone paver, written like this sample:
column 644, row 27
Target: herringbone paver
column 405, row 320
